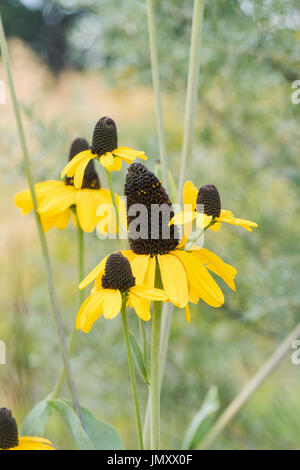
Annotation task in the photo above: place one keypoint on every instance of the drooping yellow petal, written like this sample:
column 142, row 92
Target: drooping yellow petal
column 86, row 209
column 57, row 201
column 150, row 293
column 99, row 269
column 203, row 220
column 23, row 201
column 128, row 154
column 117, row 164
column 149, row 278
column 189, row 194
column 140, row 305
column 183, row 218
column 139, row 267
column 112, row 303
column 228, row 217
column 215, row 226
column 79, row 172
column 71, row 167
column 215, row 264
column 187, row 314
column 107, row 160
column 201, row 284
column 90, row 311
column 33, row 443
column 174, row 279
column 62, row 220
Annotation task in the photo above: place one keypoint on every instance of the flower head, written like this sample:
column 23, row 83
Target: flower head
column 185, row 274
column 205, row 206
column 10, row 439
column 58, row 200
column 114, row 284
column 105, row 149
column 143, row 187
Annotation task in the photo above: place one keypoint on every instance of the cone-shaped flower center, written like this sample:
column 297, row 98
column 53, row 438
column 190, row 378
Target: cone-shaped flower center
column 8, row 430
column 90, row 179
column 105, row 136
column 209, row 197
column 149, row 199
column 118, row 274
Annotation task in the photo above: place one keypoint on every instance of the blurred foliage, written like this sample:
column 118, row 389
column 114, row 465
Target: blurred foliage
column 246, row 143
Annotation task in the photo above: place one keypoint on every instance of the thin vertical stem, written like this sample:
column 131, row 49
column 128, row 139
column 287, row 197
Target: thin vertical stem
column 155, row 369
column 192, row 89
column 80, row 268
column 144, row 342
column 230, row 412
column 189, row 123
column 132, row 377
column 157, row 91
column 42, row 238
column 115, row 205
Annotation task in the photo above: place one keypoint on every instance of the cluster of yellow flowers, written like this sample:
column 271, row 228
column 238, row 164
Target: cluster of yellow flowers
column 172, row 269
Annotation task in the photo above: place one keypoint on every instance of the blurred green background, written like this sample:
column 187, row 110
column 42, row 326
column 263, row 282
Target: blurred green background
column 74, row 61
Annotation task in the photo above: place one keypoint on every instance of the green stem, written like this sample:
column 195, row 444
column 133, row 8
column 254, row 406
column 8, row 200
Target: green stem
column 192, row 89
column 80, row 267
column 144, row 341
column 154, row 369
column 189, row 121
column 157, row 91
column 42, row 238
column 132, row 376
column 115, row 205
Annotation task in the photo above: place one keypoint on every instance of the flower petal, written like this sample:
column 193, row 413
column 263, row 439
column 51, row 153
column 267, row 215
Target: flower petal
column 99, row 269
column 86, row 209
column 112, row 302
column 150, row 293
column 73, row 164
column 189, row 194
column 107, row 160
column 139, row 267
column 57, row 201
column 174, row 279
column 140, row 305
column 183, row 217
column 201, row 283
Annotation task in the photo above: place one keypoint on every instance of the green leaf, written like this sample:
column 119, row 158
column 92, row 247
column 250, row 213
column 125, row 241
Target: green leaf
column 68, row 414
column 103, row 435
column 35, row 422
column 202, row 420
column 138, row 357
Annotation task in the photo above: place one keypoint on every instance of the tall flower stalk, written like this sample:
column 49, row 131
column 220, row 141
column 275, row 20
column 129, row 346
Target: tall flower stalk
column 80, row 268
column 155, row 368
column 189, row 124
column 132, row 376
column 42, row 238
column 157, row 90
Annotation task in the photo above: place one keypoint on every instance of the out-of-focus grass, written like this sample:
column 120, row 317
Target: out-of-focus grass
column 222, row 347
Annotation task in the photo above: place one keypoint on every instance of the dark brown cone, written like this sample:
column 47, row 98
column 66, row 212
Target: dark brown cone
column 90, row 179
column 9, row 436
column 209, row 196
column 118, row 274
column 143, row 187
column 105, row 136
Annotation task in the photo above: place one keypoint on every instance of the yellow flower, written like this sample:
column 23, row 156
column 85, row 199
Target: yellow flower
column 10, row 439
column 57, row 200
column 185, row 274
column 209, row 199
column 105, row 149
column 114, row 282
